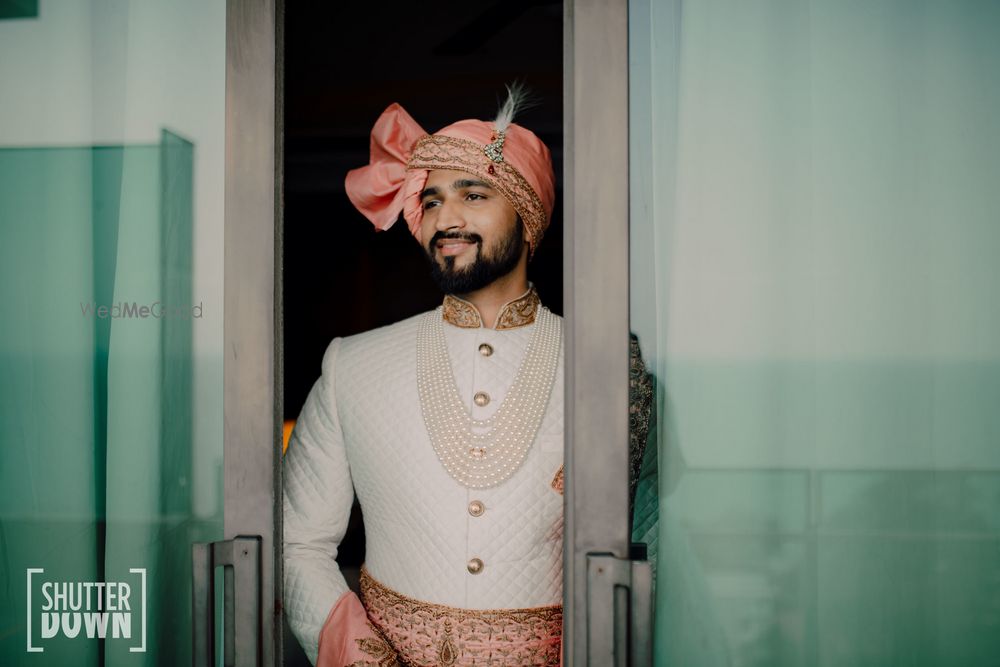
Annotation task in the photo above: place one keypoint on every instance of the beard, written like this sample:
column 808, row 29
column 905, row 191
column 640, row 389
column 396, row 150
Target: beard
column 483, row 270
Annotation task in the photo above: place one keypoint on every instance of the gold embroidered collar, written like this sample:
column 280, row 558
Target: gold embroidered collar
column 513, row 314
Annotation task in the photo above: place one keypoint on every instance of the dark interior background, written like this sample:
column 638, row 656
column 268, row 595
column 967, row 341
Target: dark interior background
column 344, row 63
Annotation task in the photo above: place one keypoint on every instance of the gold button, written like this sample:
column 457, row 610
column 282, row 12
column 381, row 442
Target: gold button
column 476, row 508
column 475, row 566
column 481, row 398
column 486, row 349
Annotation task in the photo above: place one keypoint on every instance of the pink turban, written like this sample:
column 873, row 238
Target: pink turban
column 513, row 160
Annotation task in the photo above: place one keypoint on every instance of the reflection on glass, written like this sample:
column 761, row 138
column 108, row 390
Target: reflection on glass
column 110, row 350
column 814, row 243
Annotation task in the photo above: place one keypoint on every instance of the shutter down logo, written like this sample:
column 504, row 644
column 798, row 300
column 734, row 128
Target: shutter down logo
column 86, row 609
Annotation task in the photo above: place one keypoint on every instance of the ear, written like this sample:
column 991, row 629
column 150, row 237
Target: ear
column 528, row 248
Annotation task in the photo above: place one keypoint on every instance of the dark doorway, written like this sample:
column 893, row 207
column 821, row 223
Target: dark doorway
column 344, row 64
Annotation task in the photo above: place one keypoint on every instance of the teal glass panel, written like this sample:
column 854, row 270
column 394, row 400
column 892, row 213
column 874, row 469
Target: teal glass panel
column 97, row 411
column 813, row 274
column 18, row 9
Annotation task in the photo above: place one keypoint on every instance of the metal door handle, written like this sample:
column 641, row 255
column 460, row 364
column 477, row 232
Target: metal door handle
column 619, row 612
column 242, row 618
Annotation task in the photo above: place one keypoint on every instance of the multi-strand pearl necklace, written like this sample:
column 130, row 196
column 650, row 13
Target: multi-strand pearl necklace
column 482, row 453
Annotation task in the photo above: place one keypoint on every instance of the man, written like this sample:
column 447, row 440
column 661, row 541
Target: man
column 448, row 425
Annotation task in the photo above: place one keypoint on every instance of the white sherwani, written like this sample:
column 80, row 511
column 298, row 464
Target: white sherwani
column 361, row 430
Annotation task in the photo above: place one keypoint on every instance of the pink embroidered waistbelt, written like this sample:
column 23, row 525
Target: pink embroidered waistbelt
column 429, row 635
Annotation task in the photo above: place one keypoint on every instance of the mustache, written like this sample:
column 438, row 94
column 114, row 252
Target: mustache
column 440, row 236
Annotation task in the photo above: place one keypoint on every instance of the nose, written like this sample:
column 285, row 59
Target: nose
column 449, row 216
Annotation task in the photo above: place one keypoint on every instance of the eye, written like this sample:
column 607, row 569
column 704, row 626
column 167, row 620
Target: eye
column 430, row 203
column 473, row 196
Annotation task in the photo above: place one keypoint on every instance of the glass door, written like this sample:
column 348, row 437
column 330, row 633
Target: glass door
column 813, row 279
column 118, row 228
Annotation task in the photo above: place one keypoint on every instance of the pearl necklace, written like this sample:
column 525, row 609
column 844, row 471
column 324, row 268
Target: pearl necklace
column 482, row 453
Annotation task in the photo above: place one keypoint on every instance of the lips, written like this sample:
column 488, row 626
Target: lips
column 450, row 247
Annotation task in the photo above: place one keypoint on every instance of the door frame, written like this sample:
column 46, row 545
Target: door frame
column 596, row 253
column 596, row 300
column 252, row 330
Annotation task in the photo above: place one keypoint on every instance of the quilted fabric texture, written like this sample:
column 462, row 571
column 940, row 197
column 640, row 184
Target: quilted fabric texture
column 361, row 430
